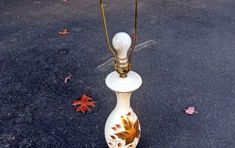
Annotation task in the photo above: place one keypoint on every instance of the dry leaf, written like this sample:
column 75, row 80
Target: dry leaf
column 83, row 105
column 64, row 32
column 191, row 110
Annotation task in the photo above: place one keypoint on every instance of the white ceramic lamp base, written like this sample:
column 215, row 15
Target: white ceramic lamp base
column 122, row 128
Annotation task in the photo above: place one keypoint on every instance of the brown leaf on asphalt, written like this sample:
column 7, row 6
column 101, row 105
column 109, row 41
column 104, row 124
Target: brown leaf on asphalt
column 191, row 110
column 64, row 32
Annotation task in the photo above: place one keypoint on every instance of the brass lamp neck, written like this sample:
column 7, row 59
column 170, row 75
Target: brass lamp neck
column 122, row 66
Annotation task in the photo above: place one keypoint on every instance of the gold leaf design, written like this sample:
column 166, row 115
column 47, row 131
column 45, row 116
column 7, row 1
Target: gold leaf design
column 118, row 125
column 113, row 137
column 129, row 114
column 114, row 128
column 131, row 130
column 110, row 143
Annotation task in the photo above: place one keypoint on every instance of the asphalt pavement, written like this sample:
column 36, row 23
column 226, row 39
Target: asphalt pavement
column 186, row 57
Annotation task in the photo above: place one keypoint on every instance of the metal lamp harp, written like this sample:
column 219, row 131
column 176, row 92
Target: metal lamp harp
column 122, row 65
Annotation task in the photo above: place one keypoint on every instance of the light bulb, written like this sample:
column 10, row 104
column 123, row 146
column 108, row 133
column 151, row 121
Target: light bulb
column 122, row 43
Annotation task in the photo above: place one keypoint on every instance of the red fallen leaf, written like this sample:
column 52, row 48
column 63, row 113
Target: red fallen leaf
column 191, row 110
column 66, row 79
column 83, row 104
column 64, row 32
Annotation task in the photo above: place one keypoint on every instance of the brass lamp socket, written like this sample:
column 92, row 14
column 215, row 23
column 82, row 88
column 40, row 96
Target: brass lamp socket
column 122, row 66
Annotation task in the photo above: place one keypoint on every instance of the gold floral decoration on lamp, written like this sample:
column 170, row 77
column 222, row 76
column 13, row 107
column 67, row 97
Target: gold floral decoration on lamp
column 130, row 132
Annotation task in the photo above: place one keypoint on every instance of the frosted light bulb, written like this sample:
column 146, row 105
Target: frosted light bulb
column 122, row 43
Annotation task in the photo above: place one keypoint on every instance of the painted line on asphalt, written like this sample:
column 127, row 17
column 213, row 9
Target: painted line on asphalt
column 108, row 64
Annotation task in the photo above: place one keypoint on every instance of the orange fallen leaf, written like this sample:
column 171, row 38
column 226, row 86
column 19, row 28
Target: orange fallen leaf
column 64, row 32
column 83, row 104
column 191, row 110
